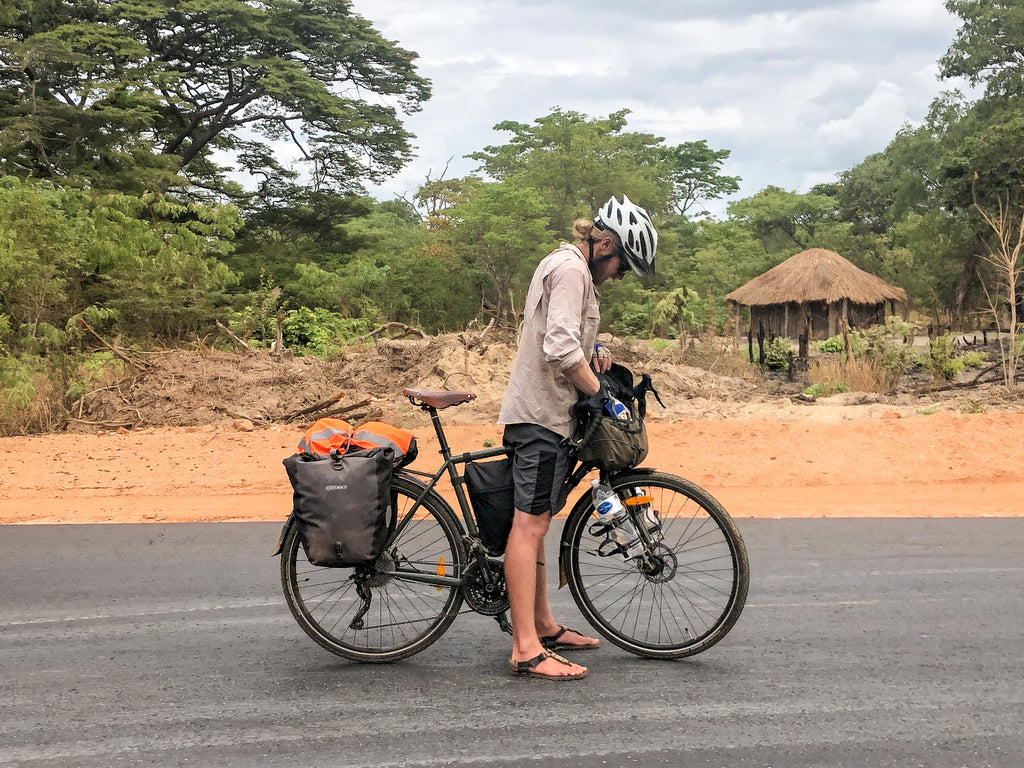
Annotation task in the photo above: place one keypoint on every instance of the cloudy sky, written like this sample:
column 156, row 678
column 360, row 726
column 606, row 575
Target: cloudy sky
column 797, row 90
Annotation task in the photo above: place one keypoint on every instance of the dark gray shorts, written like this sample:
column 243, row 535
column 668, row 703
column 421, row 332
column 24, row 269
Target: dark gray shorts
column 540, row 465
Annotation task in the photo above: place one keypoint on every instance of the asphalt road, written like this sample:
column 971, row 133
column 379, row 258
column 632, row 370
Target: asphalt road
column 864, row 643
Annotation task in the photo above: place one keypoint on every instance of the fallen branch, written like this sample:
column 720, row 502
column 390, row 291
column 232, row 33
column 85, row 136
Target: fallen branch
column 235, row 338
column 105, row 424
column 312, row 409
column 237, row 415
column 374, row 414
column 124, row 356
column 346, row 410
column 407, row 330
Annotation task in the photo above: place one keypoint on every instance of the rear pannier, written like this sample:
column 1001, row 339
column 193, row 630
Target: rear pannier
column 342, row 504
column 341, row 483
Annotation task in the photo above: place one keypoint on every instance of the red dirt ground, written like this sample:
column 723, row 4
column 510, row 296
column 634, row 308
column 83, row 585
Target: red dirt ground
column 940, row 465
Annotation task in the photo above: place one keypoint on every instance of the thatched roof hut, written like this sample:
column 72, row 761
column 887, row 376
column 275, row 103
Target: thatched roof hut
column 811, row 291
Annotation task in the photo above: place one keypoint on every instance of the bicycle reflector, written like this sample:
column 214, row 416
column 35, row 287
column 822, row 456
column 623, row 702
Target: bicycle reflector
column 441, row 571
column 636, row 501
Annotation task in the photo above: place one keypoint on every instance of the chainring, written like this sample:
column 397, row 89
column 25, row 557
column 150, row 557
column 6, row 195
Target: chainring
column 489, row 602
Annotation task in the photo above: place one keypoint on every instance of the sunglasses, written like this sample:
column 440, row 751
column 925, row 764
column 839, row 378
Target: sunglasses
column 623, row 263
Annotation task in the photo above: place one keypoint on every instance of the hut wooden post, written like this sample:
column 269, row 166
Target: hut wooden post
column 846, row 342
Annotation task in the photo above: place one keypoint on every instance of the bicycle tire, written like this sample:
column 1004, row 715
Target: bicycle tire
column 687, row 606
column 404, row 616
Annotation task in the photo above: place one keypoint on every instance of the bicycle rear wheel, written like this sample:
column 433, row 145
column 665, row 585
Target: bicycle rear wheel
column 685, row 597
column 402, row 617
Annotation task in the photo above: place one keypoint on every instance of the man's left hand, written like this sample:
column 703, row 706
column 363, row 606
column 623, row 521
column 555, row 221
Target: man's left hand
column 602, row 360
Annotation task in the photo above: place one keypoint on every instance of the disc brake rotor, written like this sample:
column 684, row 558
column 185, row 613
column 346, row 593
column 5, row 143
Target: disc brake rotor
column 661, row 565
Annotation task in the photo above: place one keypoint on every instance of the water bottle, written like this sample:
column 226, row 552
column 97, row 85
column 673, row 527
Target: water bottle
column 617, row 409
column 611, row 512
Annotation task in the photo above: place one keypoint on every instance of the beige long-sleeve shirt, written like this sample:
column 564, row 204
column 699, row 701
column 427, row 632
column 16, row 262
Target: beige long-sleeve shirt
column 560, row 324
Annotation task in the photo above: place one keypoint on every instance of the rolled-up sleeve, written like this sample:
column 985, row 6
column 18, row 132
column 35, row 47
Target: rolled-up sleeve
column 562, row 344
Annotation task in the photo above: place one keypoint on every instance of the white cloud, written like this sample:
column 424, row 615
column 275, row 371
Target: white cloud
column 797, row 90
column 878, row 116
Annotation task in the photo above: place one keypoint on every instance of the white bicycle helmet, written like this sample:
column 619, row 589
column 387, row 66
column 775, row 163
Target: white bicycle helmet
column 633, row 226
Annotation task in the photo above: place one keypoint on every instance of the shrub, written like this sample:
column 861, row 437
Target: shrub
column 776, row 354
column 826, row 388
column 943, row 362
column 974, row 358
column 320, row 332
column 833, row 345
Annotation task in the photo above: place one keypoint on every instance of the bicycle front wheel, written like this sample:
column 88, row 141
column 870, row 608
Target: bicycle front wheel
column 366, row 613
column 685, row 595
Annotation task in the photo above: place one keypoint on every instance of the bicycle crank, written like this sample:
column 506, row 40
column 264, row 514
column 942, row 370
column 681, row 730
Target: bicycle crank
column 485, row 593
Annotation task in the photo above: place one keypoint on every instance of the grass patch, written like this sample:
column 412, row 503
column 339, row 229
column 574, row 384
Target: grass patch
column 833, row 375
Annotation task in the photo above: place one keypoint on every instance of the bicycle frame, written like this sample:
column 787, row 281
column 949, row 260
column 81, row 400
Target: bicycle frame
column 471, row 529
column 449, row 468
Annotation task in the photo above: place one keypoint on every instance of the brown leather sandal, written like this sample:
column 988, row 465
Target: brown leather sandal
column 551, row 641
column 528, row 668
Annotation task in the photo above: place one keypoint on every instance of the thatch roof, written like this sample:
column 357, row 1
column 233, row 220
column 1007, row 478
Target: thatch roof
column 815, row 275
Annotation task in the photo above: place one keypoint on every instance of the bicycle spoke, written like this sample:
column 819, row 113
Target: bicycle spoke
column 688, row 592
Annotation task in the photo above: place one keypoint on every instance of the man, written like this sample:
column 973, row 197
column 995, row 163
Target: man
column 552, row 370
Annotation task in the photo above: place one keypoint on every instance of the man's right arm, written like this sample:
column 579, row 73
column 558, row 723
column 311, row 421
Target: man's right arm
column 581, row 376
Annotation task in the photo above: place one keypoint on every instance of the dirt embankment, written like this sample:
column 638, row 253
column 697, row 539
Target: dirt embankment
column 201, row 438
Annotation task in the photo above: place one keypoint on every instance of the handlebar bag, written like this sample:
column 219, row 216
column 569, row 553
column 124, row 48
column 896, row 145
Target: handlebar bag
column 342, row 504
column 490, row 492
column 608, row 443
column 614, row 445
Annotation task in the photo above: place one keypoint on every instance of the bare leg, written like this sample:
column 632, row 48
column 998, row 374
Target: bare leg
column 544, row 620
column 525, row 589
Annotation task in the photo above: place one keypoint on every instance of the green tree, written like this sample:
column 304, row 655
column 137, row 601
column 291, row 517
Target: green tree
column 308, row 227
column 120, row 94
column 158, row 265
column 502, row 233
column 44, row 234
column 146, row 266
column 694, row 171
column 988, row 46
column 782, row 220
column 427, row 286
column 575, row 163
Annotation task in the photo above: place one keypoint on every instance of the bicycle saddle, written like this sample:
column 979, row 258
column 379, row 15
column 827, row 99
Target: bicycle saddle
column 438, row 399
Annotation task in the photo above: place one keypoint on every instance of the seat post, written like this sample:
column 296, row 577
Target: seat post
column 446, row 451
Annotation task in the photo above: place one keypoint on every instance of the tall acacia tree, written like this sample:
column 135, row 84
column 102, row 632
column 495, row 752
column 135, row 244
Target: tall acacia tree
column 118, row 93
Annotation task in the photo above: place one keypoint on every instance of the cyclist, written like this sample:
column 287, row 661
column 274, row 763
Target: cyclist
column 553, row 367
